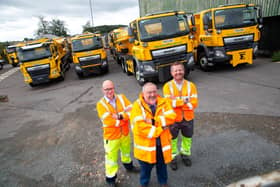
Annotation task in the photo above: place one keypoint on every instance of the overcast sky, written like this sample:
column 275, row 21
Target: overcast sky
column 19, row 18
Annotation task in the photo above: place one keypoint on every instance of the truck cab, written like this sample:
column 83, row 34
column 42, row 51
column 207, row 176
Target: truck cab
column 158, row 40
column 227, row 34
column 43, row 60
column 89, row 55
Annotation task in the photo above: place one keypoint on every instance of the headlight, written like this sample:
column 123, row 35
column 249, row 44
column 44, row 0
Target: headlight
column 89, row 58
column 255, row 49
column 148, row 68
column 104, row 63
column 219, row 53
column 191, row 60
column 34, row 68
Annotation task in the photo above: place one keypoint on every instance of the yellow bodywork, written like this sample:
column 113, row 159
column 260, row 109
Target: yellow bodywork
column 213, row 37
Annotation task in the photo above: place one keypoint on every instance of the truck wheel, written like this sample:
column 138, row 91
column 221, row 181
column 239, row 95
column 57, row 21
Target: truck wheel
column 32, row 85
column 140, row 81
column 203, row 62
column 123, row 66
column 80, row 75
column 14, row 64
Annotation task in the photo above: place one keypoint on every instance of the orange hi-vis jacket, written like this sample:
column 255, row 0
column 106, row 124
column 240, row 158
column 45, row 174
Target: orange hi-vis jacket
column 178, row 98
column 145, row 133
column 114, row 128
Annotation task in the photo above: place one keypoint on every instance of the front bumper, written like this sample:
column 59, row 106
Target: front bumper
column 159, row 69
column 94, row 67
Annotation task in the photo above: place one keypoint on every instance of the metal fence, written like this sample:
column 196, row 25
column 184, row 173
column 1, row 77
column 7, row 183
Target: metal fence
column 269, row 7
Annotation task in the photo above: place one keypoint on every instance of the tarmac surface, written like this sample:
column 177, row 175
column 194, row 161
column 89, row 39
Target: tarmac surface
column 51, row 136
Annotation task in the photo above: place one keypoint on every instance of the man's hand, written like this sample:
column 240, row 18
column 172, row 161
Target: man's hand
column 149, row 121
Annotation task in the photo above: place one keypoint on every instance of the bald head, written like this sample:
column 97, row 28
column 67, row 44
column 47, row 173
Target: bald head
column 108, row 89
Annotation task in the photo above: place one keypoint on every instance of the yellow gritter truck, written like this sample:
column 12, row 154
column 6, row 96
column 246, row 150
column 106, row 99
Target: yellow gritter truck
column 158, row 40
column 44, row 59
column 89, row 55
column 227, row 34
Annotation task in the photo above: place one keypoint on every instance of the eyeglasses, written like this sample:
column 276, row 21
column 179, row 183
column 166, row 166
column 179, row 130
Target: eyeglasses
column 108, row 89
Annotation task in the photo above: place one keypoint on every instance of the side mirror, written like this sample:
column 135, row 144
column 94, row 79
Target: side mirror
column 260, row 21
column 129, row 31
column 193, row 20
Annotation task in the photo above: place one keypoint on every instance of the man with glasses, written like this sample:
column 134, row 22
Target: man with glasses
column 114, row 111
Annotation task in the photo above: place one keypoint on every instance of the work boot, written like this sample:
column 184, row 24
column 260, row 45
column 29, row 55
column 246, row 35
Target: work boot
column 186, row 160
column 111, row 184
column 173, row 164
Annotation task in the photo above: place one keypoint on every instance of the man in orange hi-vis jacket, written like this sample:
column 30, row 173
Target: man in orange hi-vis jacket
column 113, row 111
column 150, row 117
column 183, row 96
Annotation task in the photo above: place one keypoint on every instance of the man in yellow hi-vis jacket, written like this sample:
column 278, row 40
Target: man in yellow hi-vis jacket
column 150, row 117
column 183, row 96
column 114, row 110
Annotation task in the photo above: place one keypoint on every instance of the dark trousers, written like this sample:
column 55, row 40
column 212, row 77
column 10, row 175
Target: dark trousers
column 161, row 169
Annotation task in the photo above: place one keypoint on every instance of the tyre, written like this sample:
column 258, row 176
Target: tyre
column 123, row 66
column 80, row 75
column 140, row 81
column 32, row 85
column 14, row 64
column 203, row 62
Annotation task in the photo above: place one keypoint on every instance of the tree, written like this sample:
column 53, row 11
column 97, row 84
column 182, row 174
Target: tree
column 55, row 27
column 43, row 26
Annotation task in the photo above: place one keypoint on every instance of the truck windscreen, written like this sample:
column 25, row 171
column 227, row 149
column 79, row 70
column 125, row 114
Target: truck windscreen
column 163, row 27
column 33, row 53
column 235, row 17
column 86, row 44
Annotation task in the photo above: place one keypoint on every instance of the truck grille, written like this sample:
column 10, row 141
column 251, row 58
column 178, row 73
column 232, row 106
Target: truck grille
column 90, row 62
column 239, row 46
column 170, row 58
column 34, row 73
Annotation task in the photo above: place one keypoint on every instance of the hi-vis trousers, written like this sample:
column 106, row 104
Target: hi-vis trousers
column 112, row 148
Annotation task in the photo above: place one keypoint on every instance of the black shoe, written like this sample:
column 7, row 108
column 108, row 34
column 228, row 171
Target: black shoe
column 186, row 160
column 173, row 164
column 134, row 169
column 111, row 185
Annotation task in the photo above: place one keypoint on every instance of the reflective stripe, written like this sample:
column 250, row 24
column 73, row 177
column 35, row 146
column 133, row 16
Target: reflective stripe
column 102, row 102
column 110, row 162
column 168, row 112
column 145, row 148
column 142, row 108
column 167, row 96
column 104, row 125
column 128, row 107
column 171, row 88
column 190, row 106
column 189, row 88
column 121, row 100
column 152, row 131
column 117, row 123
column 163, row 121
column 166, row 148
column 194, row 96
column 174, row 103
column 137, row 118
column 106, row 114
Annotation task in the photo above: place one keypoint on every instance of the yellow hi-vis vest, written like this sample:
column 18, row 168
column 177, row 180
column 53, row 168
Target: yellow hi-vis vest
column 114, row 128
column 178, row 97
column 145, row 133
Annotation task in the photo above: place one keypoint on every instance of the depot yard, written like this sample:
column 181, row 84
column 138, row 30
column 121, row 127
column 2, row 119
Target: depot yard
column 51, row 136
